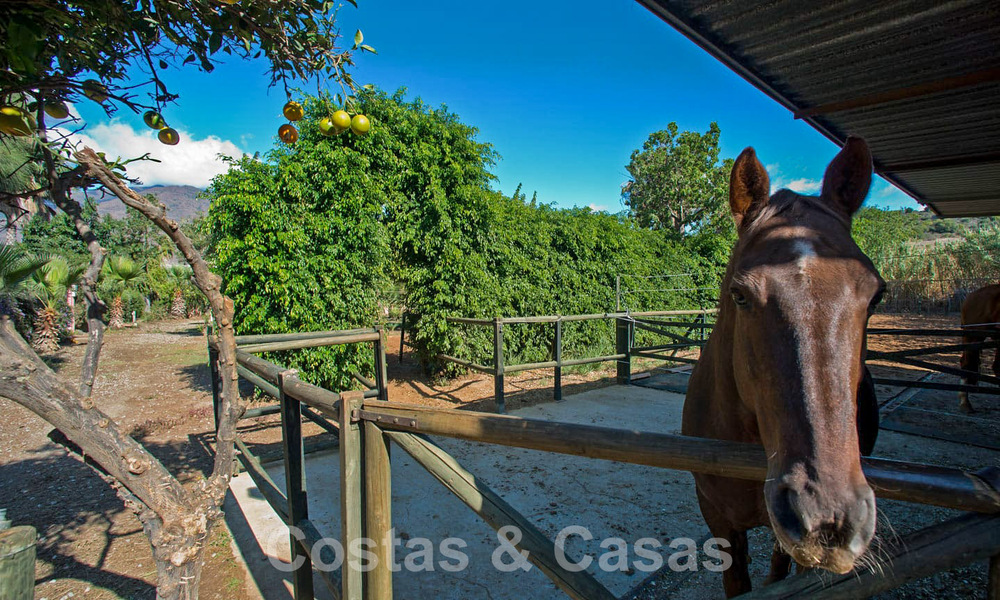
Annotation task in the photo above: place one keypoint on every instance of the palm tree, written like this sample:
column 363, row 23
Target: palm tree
column 15, row 268
column 121, row 275
column 179, row 276
column 49, row 283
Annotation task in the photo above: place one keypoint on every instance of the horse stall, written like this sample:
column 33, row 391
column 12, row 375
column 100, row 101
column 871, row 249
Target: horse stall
column 604, row 459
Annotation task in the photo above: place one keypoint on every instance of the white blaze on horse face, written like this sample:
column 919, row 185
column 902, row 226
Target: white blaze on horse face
column 804, row 250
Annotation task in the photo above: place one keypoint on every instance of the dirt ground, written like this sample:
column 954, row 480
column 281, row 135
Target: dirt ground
column 153, row 381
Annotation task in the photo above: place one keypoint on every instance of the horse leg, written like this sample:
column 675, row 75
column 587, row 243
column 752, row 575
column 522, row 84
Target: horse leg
column 781, row 565
column 735, row 579
column 969, row 362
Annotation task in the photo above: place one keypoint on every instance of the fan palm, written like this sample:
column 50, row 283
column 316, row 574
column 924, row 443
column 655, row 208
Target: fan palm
column 121, row 275
column 179, row 276
column 49, row 283
column 15, row 268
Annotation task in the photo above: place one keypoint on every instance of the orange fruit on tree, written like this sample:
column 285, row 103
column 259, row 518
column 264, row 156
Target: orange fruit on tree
column 327, row 128
column 16, row 121
column 57, row 110
column 360, row 125
column 95, row 90
column 169, row 136
column 154, row 120
column 288, row 134
column 292, row 111
column 341, row 120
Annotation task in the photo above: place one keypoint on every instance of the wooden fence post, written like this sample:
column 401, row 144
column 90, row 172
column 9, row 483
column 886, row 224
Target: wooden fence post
column 498, row 365
column 213, row 367
column 993, row 586
column 557, row 356
column 402, row 335
column 378, row 511
column 295, row 485
column 623, row 330
column 350, row 492
column 381, row 375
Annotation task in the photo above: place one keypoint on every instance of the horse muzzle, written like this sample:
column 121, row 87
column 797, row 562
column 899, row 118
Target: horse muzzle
column 819, row 527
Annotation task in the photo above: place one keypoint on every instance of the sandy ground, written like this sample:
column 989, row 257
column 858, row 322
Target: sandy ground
column 154, row 382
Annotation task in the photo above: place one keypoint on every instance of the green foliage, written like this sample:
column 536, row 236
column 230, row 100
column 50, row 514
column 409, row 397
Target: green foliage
column 300, row 247
column 304, row 239
column 50, row 282
column 884, row 234
column 56, row 235
column 978, row 254
column 16, row 267
column 677, row 183
column 134, row 236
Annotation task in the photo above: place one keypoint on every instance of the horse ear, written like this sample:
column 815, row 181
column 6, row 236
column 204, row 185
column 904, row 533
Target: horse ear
column 849, row 176
column 749, row 188
column 867, row 418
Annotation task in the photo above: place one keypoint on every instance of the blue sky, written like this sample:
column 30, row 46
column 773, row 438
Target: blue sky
column 563, row 90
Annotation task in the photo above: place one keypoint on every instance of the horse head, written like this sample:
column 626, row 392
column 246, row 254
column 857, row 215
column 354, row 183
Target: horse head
column 798, row 293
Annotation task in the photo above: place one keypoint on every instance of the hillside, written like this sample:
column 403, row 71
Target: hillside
column 182, row 201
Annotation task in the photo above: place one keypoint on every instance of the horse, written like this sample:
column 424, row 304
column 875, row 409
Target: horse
column 982, row 308
column 784, row 368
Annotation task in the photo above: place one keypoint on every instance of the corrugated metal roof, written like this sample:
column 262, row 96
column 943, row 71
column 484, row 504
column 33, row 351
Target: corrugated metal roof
column 918, row 79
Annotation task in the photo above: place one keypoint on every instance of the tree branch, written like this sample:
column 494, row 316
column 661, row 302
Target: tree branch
column 88, row 284
column 222, row 309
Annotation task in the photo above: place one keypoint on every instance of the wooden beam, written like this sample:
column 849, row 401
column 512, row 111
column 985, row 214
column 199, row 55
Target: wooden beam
column 378, row 511
column 911, row 482
column 959, row 160
column 498, row 372
column 335, row 340
column 905, row 93
column 951, row 544
column 498, row 513
column 295, row 487
column 993, row 586
column 286, row 337
column 350, row 494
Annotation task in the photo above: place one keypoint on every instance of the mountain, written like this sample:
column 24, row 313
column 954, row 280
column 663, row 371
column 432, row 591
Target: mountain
column 182, row 201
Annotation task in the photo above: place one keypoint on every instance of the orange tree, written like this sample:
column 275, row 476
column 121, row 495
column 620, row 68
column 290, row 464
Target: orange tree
column 58, row 51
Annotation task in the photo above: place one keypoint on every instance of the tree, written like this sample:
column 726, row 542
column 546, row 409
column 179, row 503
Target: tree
column 15, row 268
column 49, row 49
column 122, row 275
column 883, row 235
column 677, row 183
column 179, row 276
column 49, row 284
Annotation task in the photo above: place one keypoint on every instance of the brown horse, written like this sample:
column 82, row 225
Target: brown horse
column 784, row 367
column 980, row 307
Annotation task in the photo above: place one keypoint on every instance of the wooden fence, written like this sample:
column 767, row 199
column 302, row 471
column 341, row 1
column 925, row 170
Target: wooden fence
column 366, row 422
column 625, row 326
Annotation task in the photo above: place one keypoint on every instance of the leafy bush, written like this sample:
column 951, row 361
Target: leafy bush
column 304, row 239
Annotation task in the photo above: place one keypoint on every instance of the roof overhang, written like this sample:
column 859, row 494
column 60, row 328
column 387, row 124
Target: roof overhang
column 919, row 80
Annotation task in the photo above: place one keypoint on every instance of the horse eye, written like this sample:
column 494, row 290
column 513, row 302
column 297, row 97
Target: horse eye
column 738, row 298
column 876, row 300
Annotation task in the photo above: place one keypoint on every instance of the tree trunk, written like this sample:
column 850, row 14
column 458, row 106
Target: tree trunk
column 176, row 520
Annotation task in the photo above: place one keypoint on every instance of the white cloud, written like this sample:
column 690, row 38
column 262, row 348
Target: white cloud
column 597, row 207
column 191, row 162
column 801, row 185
